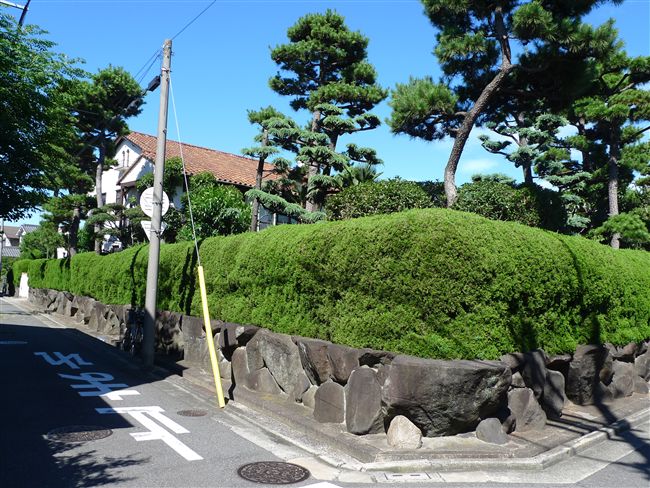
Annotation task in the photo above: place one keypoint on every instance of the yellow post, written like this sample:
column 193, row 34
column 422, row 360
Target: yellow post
column 210, row 339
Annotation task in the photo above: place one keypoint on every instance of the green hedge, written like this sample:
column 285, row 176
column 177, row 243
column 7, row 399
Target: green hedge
column 433, row 283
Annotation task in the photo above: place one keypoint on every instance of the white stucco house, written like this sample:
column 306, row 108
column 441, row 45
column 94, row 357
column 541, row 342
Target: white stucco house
column 136, row 154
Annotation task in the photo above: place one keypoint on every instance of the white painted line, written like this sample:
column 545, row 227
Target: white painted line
column 155, row 431
column 322, row 484
column 102, row 388
column 74, row 361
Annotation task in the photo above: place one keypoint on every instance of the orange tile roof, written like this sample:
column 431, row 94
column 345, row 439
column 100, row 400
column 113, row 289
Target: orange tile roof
column 226, row 167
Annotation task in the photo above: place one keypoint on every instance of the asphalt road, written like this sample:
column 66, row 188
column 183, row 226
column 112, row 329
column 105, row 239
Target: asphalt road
column 55, row 377
column 51, row 379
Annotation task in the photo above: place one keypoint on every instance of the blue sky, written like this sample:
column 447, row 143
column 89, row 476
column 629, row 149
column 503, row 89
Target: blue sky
column 221, row 64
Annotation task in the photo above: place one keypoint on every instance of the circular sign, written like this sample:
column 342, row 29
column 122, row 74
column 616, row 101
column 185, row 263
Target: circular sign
column 146, row 202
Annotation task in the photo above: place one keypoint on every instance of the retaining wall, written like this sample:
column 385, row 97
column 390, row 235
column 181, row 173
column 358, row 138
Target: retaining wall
column 372, row 391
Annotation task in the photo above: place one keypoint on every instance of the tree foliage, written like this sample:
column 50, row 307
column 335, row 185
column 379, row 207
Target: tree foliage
column 41, row 243
column 31, row 73
column 372, row 198
column 323, row 68
column 483, row 47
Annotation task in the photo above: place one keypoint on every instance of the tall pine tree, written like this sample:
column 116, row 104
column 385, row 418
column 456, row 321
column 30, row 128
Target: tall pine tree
column 324, row 69
column 480, row 44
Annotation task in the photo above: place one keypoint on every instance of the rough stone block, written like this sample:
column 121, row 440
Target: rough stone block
column 527, row 411
column 445, row 397
column 329, row 403
column 239, row 366
column 343, row 360
column 263, row 382
column 314, row 359
column 554, row 397
column 640, row 385
column 363, row 412
column 490, row 430
column 622, row 384
column 279, row 354
column 232, row 336
column 533, row 371
column 309, row 397
column 404, row 434
column 591, row 366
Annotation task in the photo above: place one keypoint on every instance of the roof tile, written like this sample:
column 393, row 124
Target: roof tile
column 226, row 167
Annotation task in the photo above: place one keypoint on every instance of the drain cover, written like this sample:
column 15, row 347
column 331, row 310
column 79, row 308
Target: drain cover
column 78, row 433
column 273, row 472
column 192, row 413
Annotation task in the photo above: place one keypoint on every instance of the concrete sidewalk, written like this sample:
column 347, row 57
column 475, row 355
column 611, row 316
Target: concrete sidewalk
column 331, row 453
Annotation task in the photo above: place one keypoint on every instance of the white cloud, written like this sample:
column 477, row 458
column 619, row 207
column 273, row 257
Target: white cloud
column 545, row 184
column 474, row 166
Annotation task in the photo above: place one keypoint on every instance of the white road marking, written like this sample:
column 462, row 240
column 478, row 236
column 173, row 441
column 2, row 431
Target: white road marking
column 71, row 360
column 102, row 388
column 155, row 431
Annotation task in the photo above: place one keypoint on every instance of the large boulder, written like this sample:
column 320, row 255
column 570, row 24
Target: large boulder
column 534, row 371
column 445, row 397
column 279, row 354
column 642, row 365
column 97, row 319
column 343, row 360
column 589, row 373
column 239, row 367
column 528, row 413
column 622, row 384
column 169, row 337
column 314, row 358
column 196, row 346
column 231, row 336
column 363, row 413
column 262, row 381
column 403, row 434
column 329, row 403
column 554, row 397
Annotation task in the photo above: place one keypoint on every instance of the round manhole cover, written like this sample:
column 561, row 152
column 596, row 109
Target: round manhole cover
column 273, row 472
column 78, row 433
column 192, row 413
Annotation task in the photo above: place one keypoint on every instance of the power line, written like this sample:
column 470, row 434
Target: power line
column 194, row 19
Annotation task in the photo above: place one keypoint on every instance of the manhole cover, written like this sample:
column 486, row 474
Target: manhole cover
column 78, row 433
column 192, row 413
column 273, row 472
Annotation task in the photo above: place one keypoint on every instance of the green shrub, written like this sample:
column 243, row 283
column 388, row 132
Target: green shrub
column 374, row 198
column 433, row 283
column 499, row 199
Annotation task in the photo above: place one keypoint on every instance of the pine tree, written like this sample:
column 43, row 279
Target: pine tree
column 325, row 71
column 474, row 47
column 101, row 109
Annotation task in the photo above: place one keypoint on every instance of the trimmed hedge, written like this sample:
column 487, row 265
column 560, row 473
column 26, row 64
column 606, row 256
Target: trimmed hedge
column 432, row 283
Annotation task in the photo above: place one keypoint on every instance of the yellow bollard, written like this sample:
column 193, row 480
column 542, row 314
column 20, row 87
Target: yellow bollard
column 210, row 339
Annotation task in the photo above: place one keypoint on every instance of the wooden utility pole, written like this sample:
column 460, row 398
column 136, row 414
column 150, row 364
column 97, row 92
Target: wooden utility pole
column 149, row 328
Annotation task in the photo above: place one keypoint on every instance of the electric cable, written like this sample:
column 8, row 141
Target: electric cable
column 185, row 180
column 193, row 20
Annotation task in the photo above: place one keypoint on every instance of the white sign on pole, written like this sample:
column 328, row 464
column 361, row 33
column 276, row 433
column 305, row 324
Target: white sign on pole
column 146, row 225
column 146, row 202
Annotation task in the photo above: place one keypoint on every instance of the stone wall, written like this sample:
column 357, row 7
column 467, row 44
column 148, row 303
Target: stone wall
column 373, row 391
